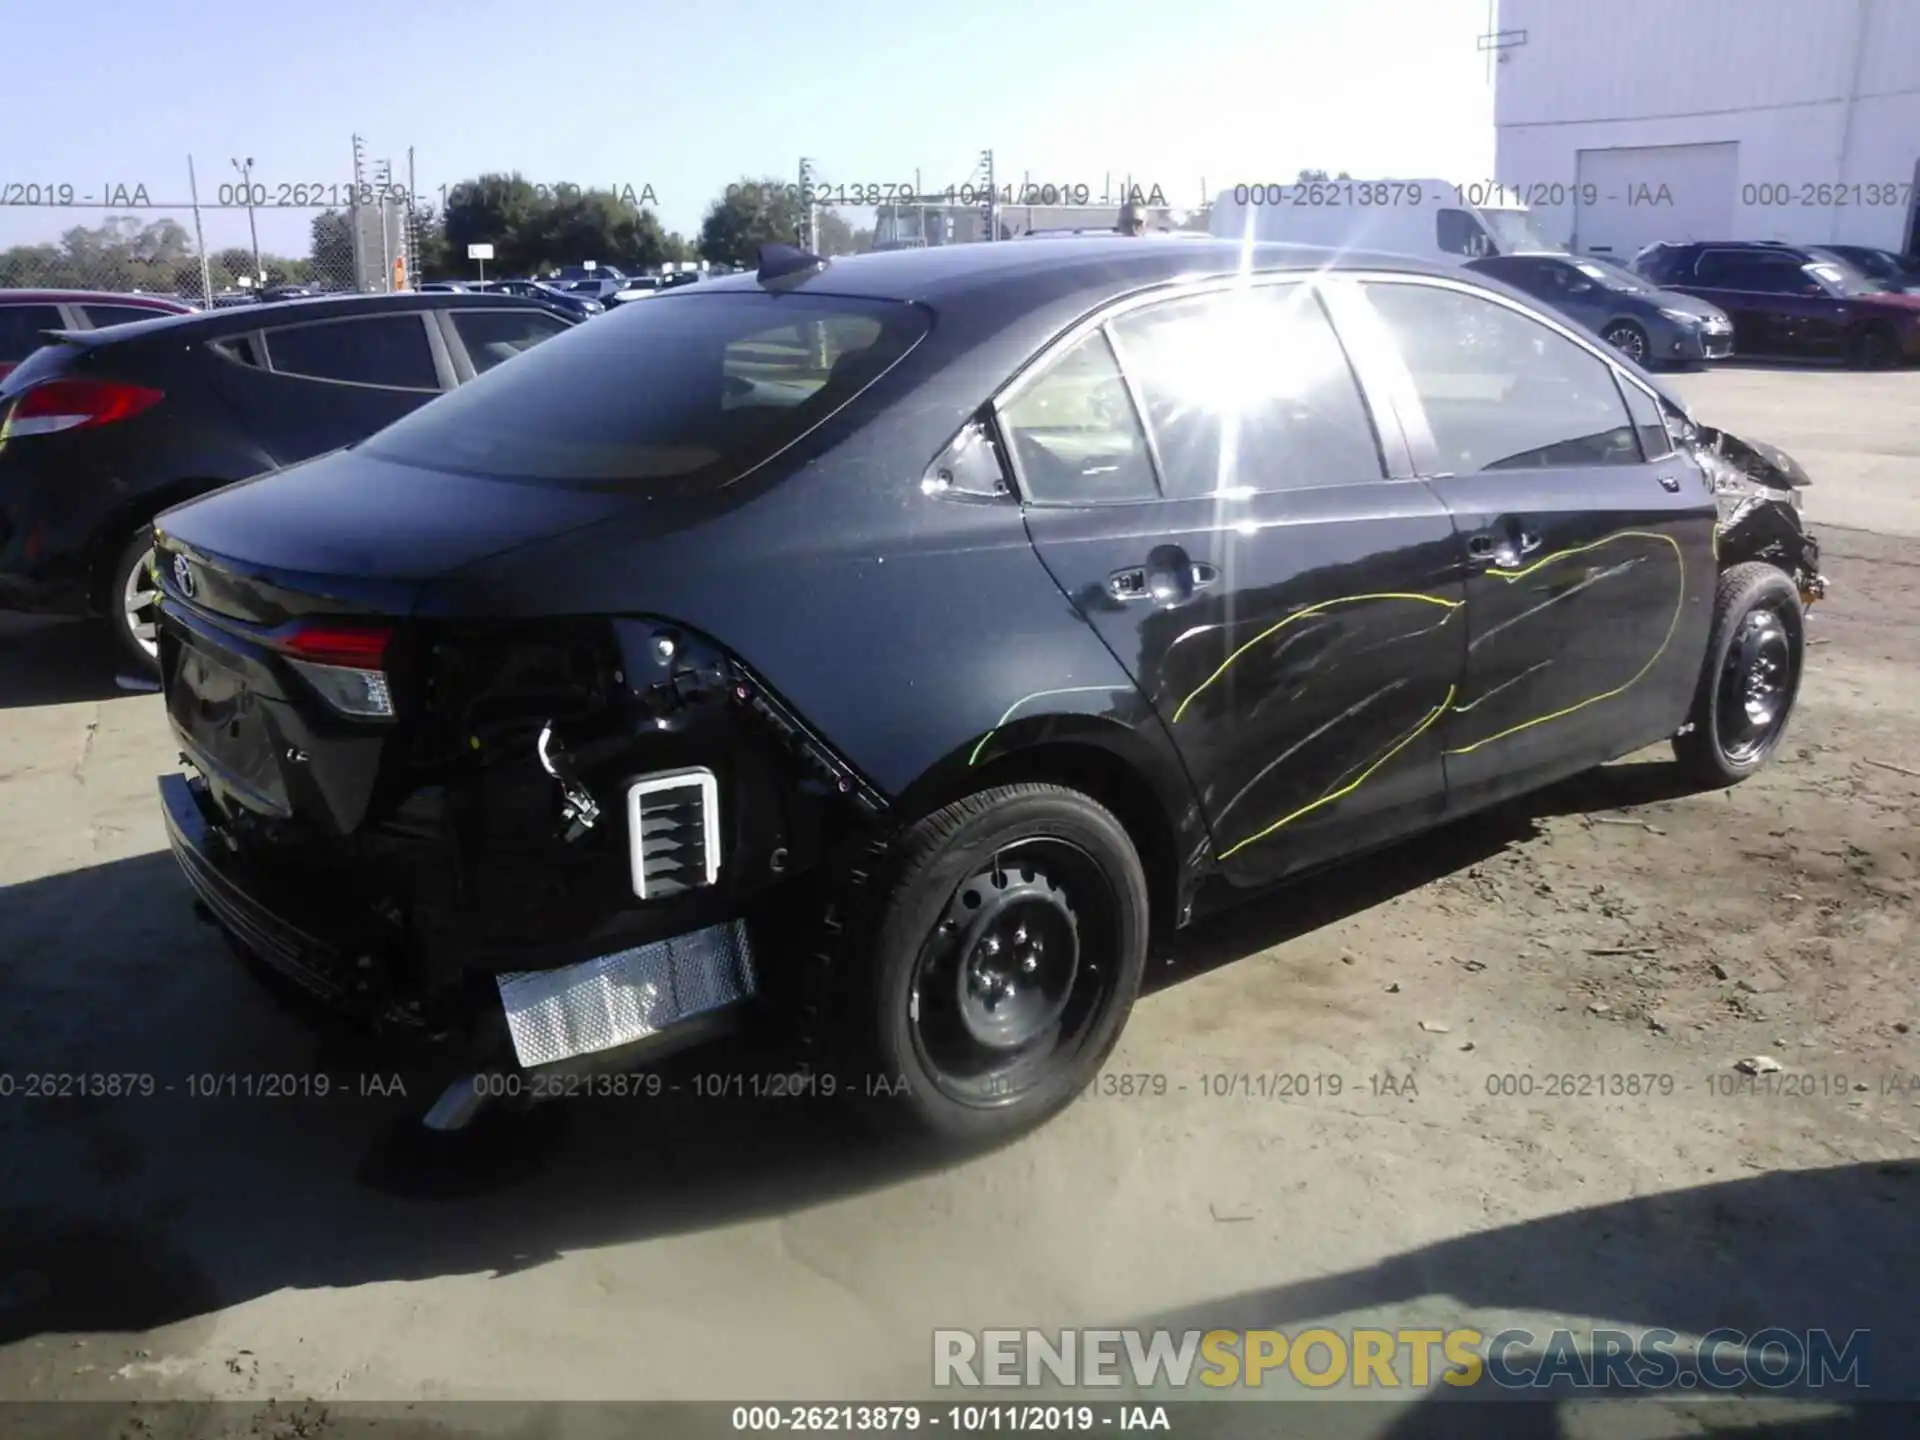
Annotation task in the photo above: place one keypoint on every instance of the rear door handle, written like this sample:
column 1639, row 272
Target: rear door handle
column 1128, row 584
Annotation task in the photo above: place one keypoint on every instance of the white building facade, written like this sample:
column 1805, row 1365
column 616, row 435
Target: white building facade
column 1624, row 122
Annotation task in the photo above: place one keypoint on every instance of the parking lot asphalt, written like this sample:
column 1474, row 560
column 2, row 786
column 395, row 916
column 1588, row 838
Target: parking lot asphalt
column 1419, row 1164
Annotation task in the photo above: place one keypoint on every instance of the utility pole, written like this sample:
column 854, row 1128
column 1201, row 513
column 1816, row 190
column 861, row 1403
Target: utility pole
column 990, row 212
column 246, row 176
column 809, row 230
column 353, row 215
column 200, row 238
column 413, row 228
column 383, row 182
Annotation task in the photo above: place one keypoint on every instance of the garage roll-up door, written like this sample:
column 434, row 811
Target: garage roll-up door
column 1701, row 183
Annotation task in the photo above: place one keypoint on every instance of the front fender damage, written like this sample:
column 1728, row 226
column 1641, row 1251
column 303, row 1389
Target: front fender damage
column 1757, row 489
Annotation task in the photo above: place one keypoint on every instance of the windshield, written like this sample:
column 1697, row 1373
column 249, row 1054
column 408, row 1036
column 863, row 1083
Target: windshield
column 1515, row 232
column 1843, row 279
column 1614, row 277
column 694, row 389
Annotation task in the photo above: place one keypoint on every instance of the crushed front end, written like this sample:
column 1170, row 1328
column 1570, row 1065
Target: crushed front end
column 530, row 843
column 1757, row 489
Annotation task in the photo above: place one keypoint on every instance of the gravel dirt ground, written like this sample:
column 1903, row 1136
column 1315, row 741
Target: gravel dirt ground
column 1427, row 1166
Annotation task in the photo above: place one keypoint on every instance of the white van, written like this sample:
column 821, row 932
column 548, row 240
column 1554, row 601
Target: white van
column 1434, row 219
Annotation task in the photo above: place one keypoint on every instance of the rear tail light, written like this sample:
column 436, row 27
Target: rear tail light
column 346, row 664
column 56, row 405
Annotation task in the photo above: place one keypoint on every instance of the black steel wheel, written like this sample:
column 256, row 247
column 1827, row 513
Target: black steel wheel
column 1751, row 677
column 1629, row 339
column 1010, row 944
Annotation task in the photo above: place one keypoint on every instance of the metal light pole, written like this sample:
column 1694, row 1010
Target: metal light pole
column 246, row 175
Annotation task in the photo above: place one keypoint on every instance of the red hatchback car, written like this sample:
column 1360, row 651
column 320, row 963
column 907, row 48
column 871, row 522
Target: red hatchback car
column 26, row 314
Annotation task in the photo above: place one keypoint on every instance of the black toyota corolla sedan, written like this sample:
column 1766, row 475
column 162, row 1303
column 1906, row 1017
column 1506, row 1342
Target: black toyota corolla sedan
column 891, row 650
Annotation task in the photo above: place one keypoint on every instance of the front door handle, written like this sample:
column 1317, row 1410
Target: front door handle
column 1128, row 584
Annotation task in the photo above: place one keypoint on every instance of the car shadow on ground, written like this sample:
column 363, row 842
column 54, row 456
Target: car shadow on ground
column 198, row 1165
column 49, row 662
column 1797, row 1251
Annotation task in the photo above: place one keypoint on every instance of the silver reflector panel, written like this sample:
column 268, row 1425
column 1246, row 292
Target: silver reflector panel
column 627, row 996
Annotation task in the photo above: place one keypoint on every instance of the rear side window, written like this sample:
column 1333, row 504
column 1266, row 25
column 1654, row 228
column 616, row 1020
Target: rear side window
column 1075, row 433
column 495, row 335
column 694, row 390
column 1248, row 389
column 20, row 327
column 387, row 350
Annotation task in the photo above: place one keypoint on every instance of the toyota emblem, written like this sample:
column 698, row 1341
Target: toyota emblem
column 183, row 575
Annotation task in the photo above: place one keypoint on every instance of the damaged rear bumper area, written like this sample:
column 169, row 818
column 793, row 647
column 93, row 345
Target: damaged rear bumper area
column 557, row 846
column 633, row 1004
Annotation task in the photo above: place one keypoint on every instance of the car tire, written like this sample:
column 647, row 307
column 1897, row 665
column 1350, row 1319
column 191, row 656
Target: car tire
column 1750, row 680
column 130, row 602
column 1005, row 947
column 1629, row 339
column 1873, row 347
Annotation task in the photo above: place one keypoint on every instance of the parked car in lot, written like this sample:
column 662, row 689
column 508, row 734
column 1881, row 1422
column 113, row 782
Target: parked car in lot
column 27, row 315
column 1650, row 326
column 640, row 287
column 1790, row 302
column 100, row 430
column 1890, row 270
column 578, row 306
column 601, row 289
column 1431, row 219
column 891, row 649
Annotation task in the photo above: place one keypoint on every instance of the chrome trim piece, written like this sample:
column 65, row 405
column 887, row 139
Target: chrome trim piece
column 697, row 778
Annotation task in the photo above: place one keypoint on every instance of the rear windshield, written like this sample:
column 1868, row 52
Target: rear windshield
column 698, row 388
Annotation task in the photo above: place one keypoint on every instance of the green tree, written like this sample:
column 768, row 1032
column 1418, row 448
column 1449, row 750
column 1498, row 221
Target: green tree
column 750, row 214
column 496, row 210
column 834, row 236
column 122, row 253
column 332, row 254
column 431, row 255
column 862, row 239
column 230, row 264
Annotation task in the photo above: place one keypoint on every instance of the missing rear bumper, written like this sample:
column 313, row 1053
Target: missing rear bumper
column 615, row 1000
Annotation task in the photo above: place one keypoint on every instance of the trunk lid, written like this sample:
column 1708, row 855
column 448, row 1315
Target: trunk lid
column 286, row 594
column 353, row 530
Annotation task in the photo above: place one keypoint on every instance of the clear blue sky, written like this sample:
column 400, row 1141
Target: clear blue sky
column 686, row 97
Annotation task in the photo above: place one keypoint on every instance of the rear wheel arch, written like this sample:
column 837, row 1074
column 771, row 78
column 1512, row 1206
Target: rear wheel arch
column 1094, row 764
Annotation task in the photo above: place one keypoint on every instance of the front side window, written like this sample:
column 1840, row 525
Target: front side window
column 1655, row 443
column 391, row 351
column 1075, row 434
column 495, row 335
column 693, row 390
column 1501, row 391
column 1248, row 389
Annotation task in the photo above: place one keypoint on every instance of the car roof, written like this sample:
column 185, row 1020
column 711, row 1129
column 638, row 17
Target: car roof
column 90, row 297
column 940, row 274
column 237, row 319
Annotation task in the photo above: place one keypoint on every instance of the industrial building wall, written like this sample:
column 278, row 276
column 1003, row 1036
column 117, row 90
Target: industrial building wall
column 1812, row 108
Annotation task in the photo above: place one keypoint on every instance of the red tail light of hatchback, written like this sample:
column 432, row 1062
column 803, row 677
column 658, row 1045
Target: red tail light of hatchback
column 61, row 405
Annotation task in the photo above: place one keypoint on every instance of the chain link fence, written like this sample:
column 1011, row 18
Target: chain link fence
column 211, row 242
